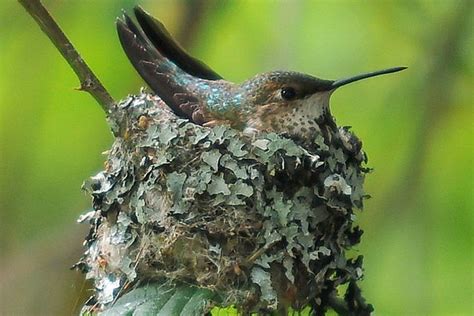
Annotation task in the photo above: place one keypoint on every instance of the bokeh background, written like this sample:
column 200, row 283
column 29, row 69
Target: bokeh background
column 417, row 128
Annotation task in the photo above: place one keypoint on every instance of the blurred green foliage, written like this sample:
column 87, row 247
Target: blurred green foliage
column 417, row 128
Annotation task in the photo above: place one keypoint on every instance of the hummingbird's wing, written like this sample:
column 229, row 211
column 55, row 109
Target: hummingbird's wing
column 161, row 39
column 178, row 89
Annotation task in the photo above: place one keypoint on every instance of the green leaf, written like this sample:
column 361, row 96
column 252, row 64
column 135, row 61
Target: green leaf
column 155, row 299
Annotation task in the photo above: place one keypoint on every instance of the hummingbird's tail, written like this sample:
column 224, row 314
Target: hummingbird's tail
column 149, row 53
column 162, row 40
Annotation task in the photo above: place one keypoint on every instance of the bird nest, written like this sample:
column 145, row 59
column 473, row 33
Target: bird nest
column 265, row 221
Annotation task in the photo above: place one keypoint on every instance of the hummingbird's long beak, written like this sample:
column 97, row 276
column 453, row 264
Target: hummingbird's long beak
column 342, row 82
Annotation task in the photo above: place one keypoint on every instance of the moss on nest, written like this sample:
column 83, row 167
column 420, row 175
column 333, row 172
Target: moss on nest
column 264, row 221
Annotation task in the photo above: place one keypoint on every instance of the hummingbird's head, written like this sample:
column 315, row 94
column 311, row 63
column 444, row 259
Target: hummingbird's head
column 286, row 102
column 293, row 103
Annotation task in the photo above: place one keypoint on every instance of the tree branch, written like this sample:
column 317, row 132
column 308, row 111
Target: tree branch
column 89, row 82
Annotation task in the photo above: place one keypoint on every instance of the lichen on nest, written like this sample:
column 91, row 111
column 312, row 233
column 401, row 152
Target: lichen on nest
column 263, row 221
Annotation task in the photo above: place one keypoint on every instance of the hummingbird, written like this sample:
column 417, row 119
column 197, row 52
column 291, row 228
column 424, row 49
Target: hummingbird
column 284, row 102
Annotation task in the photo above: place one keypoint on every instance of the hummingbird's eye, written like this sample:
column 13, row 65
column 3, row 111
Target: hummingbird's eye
column 288, row 93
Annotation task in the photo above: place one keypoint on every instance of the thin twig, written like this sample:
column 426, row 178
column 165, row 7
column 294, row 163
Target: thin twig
column 251, row 259
column 88, row 80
